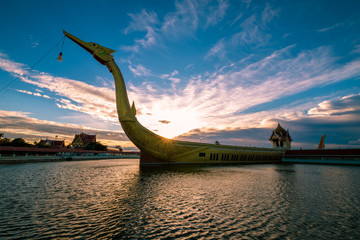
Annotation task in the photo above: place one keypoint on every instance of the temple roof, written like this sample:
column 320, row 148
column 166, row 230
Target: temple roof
column 280, row 129
column 53, row 143
column 280, row 132
column 84, row 139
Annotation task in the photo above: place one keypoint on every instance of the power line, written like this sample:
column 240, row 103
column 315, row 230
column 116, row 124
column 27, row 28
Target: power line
column 6, row 88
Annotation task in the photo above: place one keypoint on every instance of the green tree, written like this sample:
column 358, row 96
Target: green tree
column 119, row 147
column 19, row 142
column 4, row 141
column 96, row 146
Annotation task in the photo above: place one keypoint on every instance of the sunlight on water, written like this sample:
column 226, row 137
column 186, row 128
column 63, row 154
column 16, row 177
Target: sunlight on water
column 118, row 199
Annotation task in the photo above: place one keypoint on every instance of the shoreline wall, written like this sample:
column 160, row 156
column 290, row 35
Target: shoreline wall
column 36, row 159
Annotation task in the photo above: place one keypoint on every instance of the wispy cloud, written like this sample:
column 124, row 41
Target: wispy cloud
column 216, row 13
column 185, row 17
column 251, row 33
column 345, row 105
column 330, row 28
column 217, row 101
column 95, row 101
column 33, row 93
column 171, row 77
column 254, row 28
column 143, row 22
column 355, row 142
column 140, row 70
column 188, row 16
column 72, row 94
column 210, row 101
column 269, row 14
column 236, row 19
column 217, row 50
column 11, row 66
column 356, row 49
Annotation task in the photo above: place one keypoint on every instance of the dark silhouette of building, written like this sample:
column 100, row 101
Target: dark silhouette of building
column 280, row 138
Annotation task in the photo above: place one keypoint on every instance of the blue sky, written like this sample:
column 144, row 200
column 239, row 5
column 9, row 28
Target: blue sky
column 207, row 71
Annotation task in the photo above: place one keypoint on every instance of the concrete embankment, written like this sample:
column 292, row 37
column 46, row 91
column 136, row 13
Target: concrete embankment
column 35, row 159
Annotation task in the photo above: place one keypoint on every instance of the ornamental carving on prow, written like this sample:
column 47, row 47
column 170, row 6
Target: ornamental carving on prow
column 280, row 138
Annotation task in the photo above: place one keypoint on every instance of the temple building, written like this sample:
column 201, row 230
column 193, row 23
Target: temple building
column 52, row 143
column 82, row 139
column 280, row 138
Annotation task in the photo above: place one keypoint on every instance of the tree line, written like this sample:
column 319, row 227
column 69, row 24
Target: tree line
column 20, row 142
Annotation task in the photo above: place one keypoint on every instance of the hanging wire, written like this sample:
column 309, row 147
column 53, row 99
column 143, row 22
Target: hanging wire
column 6, row 88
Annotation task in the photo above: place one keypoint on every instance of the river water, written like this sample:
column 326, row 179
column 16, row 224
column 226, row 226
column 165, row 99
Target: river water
column 116, row 199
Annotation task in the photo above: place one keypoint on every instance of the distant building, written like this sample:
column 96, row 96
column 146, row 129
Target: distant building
column 280, row 138
column 52, row 143
column 82, row 139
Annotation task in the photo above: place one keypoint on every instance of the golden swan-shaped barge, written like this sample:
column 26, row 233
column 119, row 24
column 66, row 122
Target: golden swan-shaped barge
column 155, row 149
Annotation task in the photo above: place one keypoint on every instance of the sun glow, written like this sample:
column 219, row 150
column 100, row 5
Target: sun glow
column 171, row 122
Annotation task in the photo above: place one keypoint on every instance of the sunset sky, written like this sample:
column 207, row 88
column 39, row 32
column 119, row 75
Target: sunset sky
column 226, row 71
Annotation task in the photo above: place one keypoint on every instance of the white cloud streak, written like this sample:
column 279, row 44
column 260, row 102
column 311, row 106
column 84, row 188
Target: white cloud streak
column 269, row 14
column 140, row 71
column 34, row 93
column 216, row 13
column 344, row 105
column 330, row 28
column 78, row 96
column 188, row 16
column 217, row 50
column 12, row 67
column 251, row 33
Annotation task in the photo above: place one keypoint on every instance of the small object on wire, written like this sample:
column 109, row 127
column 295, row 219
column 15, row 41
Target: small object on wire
column 59, row 58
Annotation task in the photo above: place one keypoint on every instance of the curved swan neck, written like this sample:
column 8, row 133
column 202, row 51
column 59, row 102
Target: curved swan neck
column 125, row 112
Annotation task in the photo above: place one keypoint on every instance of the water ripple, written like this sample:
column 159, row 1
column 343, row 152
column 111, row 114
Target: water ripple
column 115, row 199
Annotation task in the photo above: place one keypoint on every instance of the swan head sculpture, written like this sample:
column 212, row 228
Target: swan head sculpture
column 100, row 53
